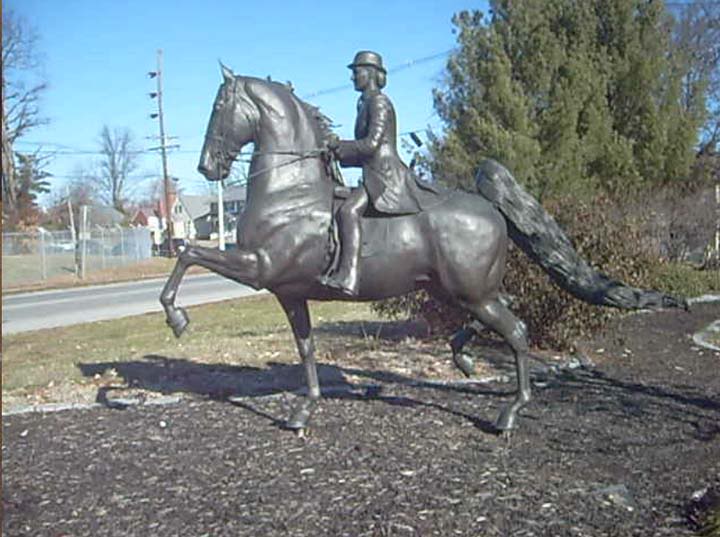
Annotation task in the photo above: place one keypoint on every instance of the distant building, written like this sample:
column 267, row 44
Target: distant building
column 146, row 217
column 234, row 198
column 104, row 216
column 191, row 217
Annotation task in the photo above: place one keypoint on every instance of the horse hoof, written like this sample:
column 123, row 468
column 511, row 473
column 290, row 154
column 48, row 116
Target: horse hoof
column 464, row 363
column 178, row 320
column 301, row 415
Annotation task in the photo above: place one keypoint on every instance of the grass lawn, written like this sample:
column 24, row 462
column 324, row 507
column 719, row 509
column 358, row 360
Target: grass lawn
column 20, row 270
column 21, row 273
column 248, row 336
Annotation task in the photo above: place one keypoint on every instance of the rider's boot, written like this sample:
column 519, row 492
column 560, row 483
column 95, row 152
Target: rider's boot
column 346, row 279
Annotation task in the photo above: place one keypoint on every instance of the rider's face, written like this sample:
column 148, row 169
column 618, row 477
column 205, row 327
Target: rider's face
column 361, row 77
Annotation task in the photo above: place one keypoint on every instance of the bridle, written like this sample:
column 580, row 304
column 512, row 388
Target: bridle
column 219, row 139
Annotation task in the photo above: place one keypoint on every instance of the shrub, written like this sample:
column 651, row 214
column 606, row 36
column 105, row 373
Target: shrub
column 684, row 280
column 612, row 239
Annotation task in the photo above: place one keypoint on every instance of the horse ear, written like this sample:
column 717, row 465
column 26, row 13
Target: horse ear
column 226, row 72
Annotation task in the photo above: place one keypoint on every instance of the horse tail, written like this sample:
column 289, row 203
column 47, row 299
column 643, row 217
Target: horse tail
column 540, row 237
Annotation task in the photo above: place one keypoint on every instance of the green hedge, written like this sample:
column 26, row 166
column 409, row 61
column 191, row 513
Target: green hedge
column 611, row 239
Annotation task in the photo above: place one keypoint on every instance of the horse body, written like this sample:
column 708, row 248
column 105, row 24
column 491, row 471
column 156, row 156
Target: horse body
column 455, row 249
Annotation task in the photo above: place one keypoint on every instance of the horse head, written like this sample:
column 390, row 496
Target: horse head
column 248, row 109
column 232, row 125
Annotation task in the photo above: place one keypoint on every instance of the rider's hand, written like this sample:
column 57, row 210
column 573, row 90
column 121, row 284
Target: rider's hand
column 332, row 143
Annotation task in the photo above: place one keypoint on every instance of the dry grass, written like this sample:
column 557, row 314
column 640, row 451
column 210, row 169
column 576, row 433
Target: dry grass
column 153, row 267
column 69, row 364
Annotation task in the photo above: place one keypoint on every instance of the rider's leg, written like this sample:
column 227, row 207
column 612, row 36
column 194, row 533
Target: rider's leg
column 346, row 278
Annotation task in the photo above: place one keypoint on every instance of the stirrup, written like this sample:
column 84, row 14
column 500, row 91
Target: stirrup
column 335, row 284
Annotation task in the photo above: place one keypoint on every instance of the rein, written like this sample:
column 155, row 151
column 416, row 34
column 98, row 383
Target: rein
column 313, row 153
column 320, row 152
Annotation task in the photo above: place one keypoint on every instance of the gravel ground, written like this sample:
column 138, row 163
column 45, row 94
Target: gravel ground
column 616, row 449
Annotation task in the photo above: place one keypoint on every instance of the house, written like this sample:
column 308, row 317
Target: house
column 191, row 217
column 146, row 217
column 104, row 216
column 233, row 205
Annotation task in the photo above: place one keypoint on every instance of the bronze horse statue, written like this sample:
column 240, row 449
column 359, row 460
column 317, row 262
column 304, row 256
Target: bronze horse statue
column 456, row 249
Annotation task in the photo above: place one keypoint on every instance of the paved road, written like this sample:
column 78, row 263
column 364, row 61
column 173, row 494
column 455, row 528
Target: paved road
column 47, row 309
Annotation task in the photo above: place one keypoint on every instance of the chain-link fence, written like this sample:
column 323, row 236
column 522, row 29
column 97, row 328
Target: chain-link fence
column 33, row 257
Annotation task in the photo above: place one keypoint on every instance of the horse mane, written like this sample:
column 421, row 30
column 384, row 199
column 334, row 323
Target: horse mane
column 322, row 123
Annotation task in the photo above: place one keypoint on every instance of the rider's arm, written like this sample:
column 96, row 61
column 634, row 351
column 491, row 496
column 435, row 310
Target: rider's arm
column 355, row 152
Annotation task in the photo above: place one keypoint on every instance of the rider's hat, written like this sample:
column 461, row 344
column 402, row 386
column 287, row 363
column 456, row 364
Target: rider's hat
column 369, row 59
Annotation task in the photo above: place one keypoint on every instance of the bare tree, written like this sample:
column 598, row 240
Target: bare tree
column 697, row 40
column 119, row 160
column 21, row 93
column 78, row 191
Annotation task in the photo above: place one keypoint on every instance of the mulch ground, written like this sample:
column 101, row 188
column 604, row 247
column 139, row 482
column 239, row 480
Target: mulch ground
column 616, row 449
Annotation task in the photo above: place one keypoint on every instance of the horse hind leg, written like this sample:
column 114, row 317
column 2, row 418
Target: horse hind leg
column 464, row 361
column 495, row 315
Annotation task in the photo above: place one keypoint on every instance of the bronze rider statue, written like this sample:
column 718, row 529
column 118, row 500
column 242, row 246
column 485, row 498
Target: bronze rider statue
column 387, row 183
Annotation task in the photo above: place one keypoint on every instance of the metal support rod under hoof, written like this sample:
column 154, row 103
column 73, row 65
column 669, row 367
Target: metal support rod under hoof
column 178, row 320
column 464, row 363
column 301, row 415
column 506, row 420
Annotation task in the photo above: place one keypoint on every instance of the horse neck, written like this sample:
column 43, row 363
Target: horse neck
column 286, row 145
column 285, row 130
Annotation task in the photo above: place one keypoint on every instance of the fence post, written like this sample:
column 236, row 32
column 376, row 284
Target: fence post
column 717, row 220
column 83, row 237
column 43, row 264
column 102, row 246
column 122, row 247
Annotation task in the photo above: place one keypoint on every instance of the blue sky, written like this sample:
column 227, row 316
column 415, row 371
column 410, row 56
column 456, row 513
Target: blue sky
column 97, row 54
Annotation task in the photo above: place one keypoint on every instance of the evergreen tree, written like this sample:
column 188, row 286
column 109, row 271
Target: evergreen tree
column 31, row 180
column 574, row 97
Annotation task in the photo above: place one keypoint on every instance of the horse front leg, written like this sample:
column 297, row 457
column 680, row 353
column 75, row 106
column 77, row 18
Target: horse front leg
column 175, row 317
column 299, row 317
column 237, row 265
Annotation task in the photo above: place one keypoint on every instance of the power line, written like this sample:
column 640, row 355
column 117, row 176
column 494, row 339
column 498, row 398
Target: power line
column 65, row 150
column 396, row 69
column 82, row 176
column 98, row 152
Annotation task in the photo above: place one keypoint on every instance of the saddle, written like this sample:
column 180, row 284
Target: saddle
column 375, row 227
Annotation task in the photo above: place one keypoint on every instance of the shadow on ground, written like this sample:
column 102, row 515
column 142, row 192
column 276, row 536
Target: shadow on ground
column 587, row 391
column 239, row 384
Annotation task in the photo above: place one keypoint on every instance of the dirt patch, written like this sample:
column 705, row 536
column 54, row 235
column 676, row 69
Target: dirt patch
column 618, row 449
column 260, row 363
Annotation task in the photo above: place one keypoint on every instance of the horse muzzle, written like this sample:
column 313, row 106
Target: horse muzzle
column 213, row 170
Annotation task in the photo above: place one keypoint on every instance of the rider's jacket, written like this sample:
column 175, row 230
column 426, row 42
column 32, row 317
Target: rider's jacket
column 390, row 184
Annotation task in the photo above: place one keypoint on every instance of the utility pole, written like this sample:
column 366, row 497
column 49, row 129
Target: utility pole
column 84, row 236
column 717, row 219
column 73, row 234
column 221, row 218
column 163, row 149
